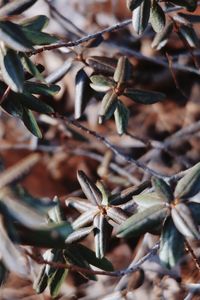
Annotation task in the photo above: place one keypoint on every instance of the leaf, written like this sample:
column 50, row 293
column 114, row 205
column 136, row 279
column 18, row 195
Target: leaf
column 78, row 203
column 190, row 5
column 157, row 17
column 12, row 35
column 141, row 16
column 123, row 70
column 148, row 199
column 101, row 83
column 74, row 256
column 41, row 281
column 108, row 106
column 162, row 189
column 89, row 188
column 41, row 89
column 11, row 255
column 133, row 4
column 84, row 219
column 16, row 7
column 161, row 38
column 189, row 18
column 33, row 103
column 20, row 211
column 56, row 281
column 59, row 73
column 102, row 64
column 143, row 221
column 195, row 211
column 144, row 96
column 13, row 107
column 12, row 69
column 36, row 23
column 189, row 185
column 171, row 245
column 16, row 172
column 57, row 213
column 82, row 91
column 117, row 214
column 78, row 235
column 31, row 67
column 189, row 35
column 30, row 122
column 121, row 115
column 91, row 258
column 102, row 233
column 184, row 222
column 38, row 38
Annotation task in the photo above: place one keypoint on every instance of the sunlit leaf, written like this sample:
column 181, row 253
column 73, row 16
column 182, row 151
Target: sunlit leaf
column 161, row 38
column 157, row 17
column 162, row 189
column 84, row 219
column 30, row 122
column 121, row 115
column 101, row 83
column 102, row 233
column 82, row 91
column 78, row 235
column 141, row 16
column 108, row 106
column 123, row 70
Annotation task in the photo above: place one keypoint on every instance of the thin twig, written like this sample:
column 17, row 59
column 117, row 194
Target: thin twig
column 75, row 268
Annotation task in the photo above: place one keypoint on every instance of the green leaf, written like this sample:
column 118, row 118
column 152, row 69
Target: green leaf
column 38, row 37
column 195, row 211
column 162, row 189
column 102, row 234
column 141, row 16
column 143, row 221
column 190, row 5
column 12, row 69
column 144, row 96
column 133, row 4
column 74, row 256
column 121, row 115
column 79, row 204
column 91, row 258
column 13, row 107
column 147, row 200
column 56, row 281
column 117, row 214
column 189, row 35
column 12, row 35
column 101, row 83
column 189, row 185
column 157, row 17
column 78, row 235
column 189, row 18
column 84, row 219
column 102, row 64
column 34, row 103
column 82, row 93
column 30, row 122
column 16, row 7
column 108, row 106
column 184, row 221
column 89, row 188
column 31, row 67
column 41, row 89
column 161, row 38
column 36, row 23
column 123, row 70
column 41, row 281
column 171, row 245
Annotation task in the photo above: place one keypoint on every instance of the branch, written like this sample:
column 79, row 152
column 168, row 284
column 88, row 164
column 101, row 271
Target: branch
column 78, row 269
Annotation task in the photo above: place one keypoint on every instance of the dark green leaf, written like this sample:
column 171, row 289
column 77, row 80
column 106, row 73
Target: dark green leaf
column 162, row 189
column 144, row 96
column 132, row 4
column 147, row 200
column 141, row 16
column 31, row 67
column 78, row 235
column 41, row 89
column 91, row 258
column 81, row 93
column 161, row 38
column 56, row 281
column 171, row 245
column 190, row 5
column 34, row 103
column 121, row 115
column 101, row 64
column 101, row 83
column 189, row 18
column 36, row 23
column 189, row 35
column 184, row 221
column 189, row 185
column 30, row 122
column 157, row 17
column 12, row 69
column 41, row 281
column 102, row 233
column 12, row 35
column 123, row 70
column 195, row 211
column 15, row 7
column 143, row 221
column 108, row 106
column 38, row 37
